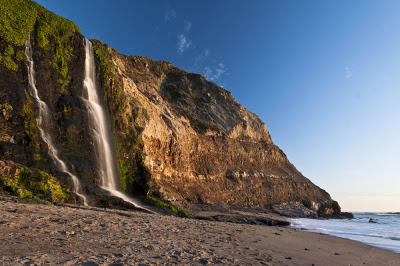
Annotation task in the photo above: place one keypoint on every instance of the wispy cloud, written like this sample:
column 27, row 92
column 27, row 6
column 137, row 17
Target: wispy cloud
column 183, row 43
column 213, row 73
column 183, row 39
column 209, row 67
column 169, row 14
column 203, row 62
column 349, row 72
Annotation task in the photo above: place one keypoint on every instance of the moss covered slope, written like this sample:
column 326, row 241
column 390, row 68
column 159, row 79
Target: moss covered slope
column 18, row 18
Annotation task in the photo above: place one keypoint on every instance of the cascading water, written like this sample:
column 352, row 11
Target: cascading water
column 43, row 122
column 100, row 132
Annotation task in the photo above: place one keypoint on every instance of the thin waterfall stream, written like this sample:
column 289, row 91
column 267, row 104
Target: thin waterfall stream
column 101, row 133
column 43, row 123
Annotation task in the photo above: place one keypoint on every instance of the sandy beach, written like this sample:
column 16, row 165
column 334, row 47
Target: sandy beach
column 70, row 235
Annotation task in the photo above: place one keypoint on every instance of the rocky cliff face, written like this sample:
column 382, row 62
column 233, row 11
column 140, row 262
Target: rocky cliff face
column 59, row 54
column 178, row 137
column 200, row 146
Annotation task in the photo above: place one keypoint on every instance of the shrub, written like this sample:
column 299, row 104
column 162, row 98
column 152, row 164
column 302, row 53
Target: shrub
column 9, row 63
column 9, row 50
column 20, row 55
column 17, row 20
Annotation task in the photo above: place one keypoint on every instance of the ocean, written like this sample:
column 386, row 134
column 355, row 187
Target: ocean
column 380, row 230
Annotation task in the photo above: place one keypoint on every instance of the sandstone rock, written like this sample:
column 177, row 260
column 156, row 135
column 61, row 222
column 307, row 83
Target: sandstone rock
column 201, row 146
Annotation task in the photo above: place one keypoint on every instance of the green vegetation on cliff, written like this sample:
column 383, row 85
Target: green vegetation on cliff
column 29, row 184
column 164, row 205
column 113, row 90
column 8, row 62
column 18, row 18
column 55, row 33
column 30, row 129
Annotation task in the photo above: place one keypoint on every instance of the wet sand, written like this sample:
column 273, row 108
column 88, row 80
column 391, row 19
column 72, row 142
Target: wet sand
column 47, row 234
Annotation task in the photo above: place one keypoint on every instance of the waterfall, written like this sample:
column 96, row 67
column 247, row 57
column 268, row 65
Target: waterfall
column 106, row 165
column 98, row 124
column 43, row 122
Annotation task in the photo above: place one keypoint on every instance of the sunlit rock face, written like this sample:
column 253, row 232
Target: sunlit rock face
column 201, row 146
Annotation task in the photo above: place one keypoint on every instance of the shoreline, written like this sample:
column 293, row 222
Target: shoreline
column 365, row 228
column 358, row 241
column 48, row 234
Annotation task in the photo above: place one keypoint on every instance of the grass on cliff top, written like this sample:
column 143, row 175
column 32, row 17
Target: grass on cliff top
column 18, row 18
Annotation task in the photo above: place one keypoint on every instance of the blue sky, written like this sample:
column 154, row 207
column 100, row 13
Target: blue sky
column 323, row 75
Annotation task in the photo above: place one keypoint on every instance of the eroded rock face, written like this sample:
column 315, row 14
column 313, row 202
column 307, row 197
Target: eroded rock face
column 201, row 146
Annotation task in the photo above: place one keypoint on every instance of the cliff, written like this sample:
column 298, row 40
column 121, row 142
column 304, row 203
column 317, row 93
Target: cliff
column 178, row 137
column 199, row 145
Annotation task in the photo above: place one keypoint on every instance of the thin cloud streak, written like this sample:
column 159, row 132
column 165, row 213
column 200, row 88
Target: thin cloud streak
column 183, row 43
column 214, row 73
column 183, row 39
column 202, row 62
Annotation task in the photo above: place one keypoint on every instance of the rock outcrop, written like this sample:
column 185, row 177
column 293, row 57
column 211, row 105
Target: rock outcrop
column 178, row 137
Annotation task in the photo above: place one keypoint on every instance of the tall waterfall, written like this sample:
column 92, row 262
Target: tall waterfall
column 43, row 122
column 106, row 165
column 98, row 123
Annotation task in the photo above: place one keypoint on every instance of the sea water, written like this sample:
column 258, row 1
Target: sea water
column 380, row 230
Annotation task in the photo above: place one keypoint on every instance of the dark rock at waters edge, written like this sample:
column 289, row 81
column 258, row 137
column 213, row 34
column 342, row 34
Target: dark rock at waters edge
column 243, row 219
column 347, row 215
column 299, row 210
column 221, row 213
column 294, row 210
column 178, row 137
